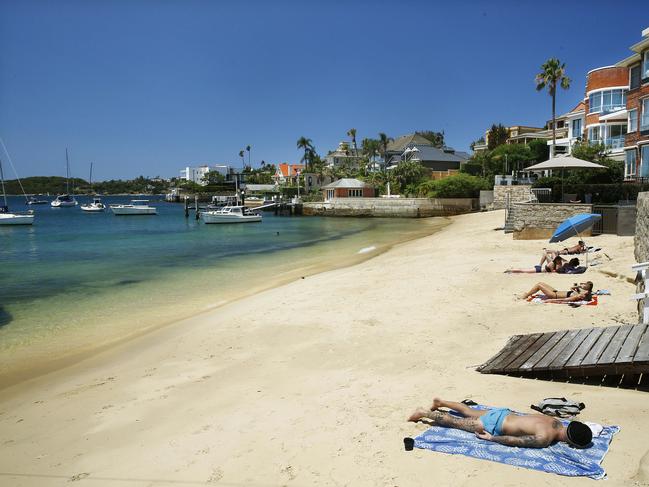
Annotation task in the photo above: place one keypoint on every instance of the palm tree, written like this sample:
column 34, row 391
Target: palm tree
column 384, row 140
column 248, row 149
column 307, row 145
column 243, row 161
column 352, row 134
column 553, row 73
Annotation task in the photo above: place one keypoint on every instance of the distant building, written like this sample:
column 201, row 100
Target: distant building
column 313, row 182
column 343, row 155
column 347, row 188
column 516, row 134
column 570, row 129
column 287, row 173
column 197, row 174
column 395, row 148
column 442, row 162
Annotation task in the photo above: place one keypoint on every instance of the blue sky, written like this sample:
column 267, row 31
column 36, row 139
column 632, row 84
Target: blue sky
column 147, row 87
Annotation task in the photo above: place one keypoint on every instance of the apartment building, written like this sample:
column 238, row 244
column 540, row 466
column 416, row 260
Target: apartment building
column 636, row 147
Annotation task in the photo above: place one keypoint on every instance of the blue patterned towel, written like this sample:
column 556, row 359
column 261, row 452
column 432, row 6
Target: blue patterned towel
column 558, row 458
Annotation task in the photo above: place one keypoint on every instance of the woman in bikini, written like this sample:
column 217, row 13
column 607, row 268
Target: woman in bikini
column 579, row 292
column 556, row 265
column 550, row 255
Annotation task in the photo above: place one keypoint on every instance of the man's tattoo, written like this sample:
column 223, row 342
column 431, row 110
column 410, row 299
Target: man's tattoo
column 446, row 419
column 526, row 441
column 556, row 424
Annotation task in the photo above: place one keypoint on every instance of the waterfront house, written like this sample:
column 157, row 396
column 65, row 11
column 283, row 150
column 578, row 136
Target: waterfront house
column 343, row 156
column 395, row 148
column 636, row 140
column 441, row 162
column 570, row 129
column 287, row 173
column 313, row 182
column 516, row 134
column 348, row 188
column 198, row 174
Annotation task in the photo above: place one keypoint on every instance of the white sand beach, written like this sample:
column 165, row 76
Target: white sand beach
column 311, row 383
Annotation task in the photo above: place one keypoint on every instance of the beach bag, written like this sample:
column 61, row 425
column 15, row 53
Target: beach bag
column 558, row 406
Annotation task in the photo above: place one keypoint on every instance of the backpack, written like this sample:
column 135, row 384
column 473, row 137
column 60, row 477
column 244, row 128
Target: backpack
column 558, row 406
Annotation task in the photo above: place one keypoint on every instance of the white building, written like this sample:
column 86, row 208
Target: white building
column 197, row 174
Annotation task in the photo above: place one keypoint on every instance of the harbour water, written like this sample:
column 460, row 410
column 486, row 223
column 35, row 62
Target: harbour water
column 75, row 281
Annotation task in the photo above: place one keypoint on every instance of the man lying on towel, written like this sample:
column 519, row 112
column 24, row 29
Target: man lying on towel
column 502, row 426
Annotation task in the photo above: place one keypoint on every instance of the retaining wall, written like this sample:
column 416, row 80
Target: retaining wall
column 517, row 193
column 392, row 207
column 642, row 228
column 539, row 220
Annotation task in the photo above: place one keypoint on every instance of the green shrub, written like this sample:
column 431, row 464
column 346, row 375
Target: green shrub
column 456, row 186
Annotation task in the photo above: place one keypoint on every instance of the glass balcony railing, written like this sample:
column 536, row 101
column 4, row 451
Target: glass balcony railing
column 614, row 142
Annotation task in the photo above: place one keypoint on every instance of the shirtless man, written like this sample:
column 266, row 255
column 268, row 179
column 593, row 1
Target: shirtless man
column 500, row 425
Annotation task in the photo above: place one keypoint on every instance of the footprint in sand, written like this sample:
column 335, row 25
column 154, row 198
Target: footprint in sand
column 289, row 472
column 217, row 474
column 79, row 476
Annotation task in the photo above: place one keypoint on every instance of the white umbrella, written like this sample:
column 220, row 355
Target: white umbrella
column 564, row 162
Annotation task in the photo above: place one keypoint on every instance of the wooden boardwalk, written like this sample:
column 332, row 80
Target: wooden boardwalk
column 588, row 352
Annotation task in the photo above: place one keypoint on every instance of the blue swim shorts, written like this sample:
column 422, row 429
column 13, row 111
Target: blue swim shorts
column 493, row 419
column 537, row 268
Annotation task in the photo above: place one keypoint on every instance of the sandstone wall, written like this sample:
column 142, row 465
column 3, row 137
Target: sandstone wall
column 642, row 228
column 392, row 207
column 518, row 193
column 539, row 220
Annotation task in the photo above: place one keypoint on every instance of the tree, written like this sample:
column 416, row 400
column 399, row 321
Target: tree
column 214, row 177
column 435, row 138
column 480, row 141
column 352, row 133
column 553, row 73
column 384, row 140
column 407, row 173
column 243, row 162
column 497, row 135
column 370, row 149
column 307, row 146
column 248, row 149
column 539, row 149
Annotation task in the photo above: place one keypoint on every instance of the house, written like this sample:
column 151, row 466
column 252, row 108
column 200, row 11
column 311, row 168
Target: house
column 396, row 147
column 197, row 174
column 442, row 162
column 347, row 188
column 516, row 134
column 636, row 140
column 287, row 173
column 343, row 155
column 570, row 129
column 313, row 181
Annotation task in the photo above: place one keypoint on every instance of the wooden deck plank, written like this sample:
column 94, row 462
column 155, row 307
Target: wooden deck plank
column 569, row 349
column 531, row 350
column 642, row 354
column 521, row 347
column 585, row 347
column 488, row 365
column 542, row 352
column 613, row 349
column 545, row 362
column 630, row 345
column 600, row 345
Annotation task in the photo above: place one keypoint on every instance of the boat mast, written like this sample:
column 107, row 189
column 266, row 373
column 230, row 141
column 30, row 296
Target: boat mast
column 2, row 179
column 67, row 172
column 91, row 176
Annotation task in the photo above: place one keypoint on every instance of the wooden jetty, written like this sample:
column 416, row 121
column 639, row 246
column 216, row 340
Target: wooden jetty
column 619, row 353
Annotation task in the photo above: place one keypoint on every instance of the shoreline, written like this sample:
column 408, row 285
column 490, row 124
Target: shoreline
column 311, row 382
column 34, row 371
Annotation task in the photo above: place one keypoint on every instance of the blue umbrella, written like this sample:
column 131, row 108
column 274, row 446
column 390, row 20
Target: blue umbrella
column 574, row 226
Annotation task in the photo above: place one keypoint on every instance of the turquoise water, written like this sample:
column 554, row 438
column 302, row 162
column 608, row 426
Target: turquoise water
column 73, row 280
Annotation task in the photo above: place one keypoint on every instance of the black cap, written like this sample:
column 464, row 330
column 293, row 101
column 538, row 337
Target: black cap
column 579, row 434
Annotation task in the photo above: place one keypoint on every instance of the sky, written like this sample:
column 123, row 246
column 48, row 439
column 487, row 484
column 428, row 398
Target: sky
column 144, row 87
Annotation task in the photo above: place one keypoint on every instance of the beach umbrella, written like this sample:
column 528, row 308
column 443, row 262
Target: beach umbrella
column 574, row 225
column 562, row 162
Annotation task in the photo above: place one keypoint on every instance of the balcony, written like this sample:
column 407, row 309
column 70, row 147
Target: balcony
column 616, row 142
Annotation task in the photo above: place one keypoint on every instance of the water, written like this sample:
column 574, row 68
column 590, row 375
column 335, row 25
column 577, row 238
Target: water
column 75, row 281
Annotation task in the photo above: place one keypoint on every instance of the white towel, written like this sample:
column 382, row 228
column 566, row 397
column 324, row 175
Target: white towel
column 595, row 428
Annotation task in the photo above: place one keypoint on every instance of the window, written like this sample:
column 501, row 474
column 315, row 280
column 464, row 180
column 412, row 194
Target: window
column 615, row 136
column 576, row 128
column 330, row 194
column 645, row 65
column 644, row 162
column 644, row 121
column 633, row 120
column 593, row 135
column 634, row 77
column 629, row 164
column 355, row 193
column 607, row 101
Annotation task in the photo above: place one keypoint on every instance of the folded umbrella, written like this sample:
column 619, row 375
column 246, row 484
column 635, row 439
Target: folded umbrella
column 574, row 225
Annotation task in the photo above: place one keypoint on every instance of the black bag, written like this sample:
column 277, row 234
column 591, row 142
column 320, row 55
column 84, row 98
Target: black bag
column 559, row 407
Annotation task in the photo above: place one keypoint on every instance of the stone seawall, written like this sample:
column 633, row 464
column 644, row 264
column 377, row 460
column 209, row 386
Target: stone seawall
column 539, row 220
column 392, row 207
column 517, row 194
column 642, row 228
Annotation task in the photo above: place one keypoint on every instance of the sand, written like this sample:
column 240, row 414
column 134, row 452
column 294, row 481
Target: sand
column 311, row 383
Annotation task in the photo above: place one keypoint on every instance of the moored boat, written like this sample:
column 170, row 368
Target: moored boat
column 137, row 207
column 230, row 214
column 95, row 207
column 12, row 218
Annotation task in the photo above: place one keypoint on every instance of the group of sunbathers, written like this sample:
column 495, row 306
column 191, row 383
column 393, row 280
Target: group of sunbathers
column 551, row 261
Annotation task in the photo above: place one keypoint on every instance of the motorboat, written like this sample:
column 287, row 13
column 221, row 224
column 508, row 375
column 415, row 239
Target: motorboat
column 137, row 207
column 230, row 214
column 95, row 207
column 64, row 201
column 12, row 218
column 33, row 200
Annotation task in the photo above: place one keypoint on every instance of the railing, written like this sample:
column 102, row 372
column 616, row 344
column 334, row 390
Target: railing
column 614, row 142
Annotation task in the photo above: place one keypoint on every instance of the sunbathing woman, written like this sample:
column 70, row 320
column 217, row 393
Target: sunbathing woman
column 558, row 265
column 550, row 255
column 578, row 292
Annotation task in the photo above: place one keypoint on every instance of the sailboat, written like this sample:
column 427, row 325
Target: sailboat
column 12, row 218
column 67, row 199
column 96, row 206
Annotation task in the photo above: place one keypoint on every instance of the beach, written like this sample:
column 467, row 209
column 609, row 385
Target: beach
column 311, row 382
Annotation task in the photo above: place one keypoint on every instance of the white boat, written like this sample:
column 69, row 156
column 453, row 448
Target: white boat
column 95, row 207
column 137, row 207
column 33, row 200
column 65, row 200
column 230, row 214
column 12, row 218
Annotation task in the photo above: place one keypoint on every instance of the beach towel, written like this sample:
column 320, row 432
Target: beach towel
column 543, row 299
column 559, row 458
